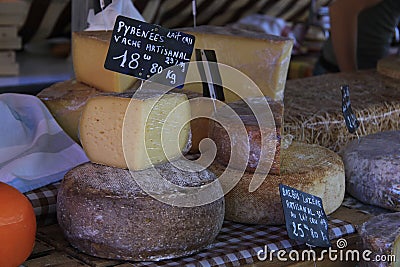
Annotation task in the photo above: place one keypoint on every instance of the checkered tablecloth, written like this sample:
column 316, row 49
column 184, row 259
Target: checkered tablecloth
column 236, row 245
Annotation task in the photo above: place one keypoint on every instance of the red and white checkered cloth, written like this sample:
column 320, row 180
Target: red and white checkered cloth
column 237, row 244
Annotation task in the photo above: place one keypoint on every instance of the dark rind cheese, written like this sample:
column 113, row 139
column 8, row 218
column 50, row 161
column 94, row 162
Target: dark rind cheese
column 270, row 135
column 103, row 212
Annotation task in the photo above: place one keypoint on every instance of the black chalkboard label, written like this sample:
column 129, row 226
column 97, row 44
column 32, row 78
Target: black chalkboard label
column 350, row 119
column 100, row 5
column 305, row 217
column 209, row 72
column 143, row 50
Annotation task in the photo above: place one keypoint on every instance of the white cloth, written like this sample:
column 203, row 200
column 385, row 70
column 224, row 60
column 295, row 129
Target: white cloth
column 34, row 150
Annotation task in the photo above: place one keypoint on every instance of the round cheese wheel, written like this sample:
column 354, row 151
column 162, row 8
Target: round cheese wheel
column 103, row 212
column 65, row 101
column 269, row 135
column 372, row 168
column 310, row 168
column 381, row 236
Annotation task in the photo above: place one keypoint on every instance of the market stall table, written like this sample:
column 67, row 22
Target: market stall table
column 236, row 245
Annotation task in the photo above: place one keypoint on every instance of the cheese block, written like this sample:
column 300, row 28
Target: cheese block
column 135, row 131
column 310, row 168
column 263, row 58
column 380, row 235
column 372, row 169
column 263, row 141
column 104, row 212
column 89, row 52
column 389, row 66
column 65, row 100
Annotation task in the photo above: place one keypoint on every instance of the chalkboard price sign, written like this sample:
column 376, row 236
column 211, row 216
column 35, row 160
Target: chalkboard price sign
column 350, row 119
column 305, row 217
column 143, row 50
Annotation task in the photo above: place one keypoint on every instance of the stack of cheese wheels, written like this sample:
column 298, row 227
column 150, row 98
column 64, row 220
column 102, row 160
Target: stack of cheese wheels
column 380, row 239
column 102, row 207
column 372, row 167
column 310, row 168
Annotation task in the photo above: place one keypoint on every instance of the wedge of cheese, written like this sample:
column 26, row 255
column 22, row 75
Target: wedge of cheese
column 263, row 58
column 89, row 51
column 137, row 132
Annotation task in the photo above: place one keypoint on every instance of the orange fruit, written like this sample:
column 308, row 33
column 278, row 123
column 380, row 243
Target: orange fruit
column 17, row 227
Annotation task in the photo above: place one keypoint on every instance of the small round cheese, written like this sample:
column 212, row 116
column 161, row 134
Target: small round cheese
column 372, row 168
column 103, row 212
column 310, row 168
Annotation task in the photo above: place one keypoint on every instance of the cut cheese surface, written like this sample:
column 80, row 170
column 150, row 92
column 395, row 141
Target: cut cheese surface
column 65, row 100
column 310, row 168
column 263, row 58
column 150, row 131
column 89, row 51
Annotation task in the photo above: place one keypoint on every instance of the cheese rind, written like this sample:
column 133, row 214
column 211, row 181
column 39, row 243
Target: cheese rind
column 89, row 52
column 264, row 139
column 381, row 236
column 105, row 213
column 309, row 168
column 372, row 167
column 136, row 132
column 263, row 58
column 65, row 101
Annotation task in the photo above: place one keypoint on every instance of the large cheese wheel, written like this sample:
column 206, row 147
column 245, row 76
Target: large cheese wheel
column 268, row 136
column 372, row 168
column 309, row 168
column 103, row 212
column 65, row 100
column 381, row 236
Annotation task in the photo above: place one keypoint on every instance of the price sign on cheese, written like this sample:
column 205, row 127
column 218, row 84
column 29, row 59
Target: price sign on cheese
column 305, row 217
column 145, row 50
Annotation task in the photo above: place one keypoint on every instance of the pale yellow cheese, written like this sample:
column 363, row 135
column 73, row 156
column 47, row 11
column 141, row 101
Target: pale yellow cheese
column 89, row 51
column 137, row 132
column 263, row 58
column 65, row 100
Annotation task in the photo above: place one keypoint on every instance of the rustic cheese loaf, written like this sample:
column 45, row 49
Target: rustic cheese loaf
column 381, row 236
column 263, row 136
column 309, row 168
column 103, row 212
column 372, row 168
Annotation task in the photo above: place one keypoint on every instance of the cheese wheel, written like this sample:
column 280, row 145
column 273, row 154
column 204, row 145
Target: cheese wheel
column 103, row 212
column 389, row 66
column 268, row 136
column 310, row 168
column 381, row 236
column 372, row 168
column 65, row 100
